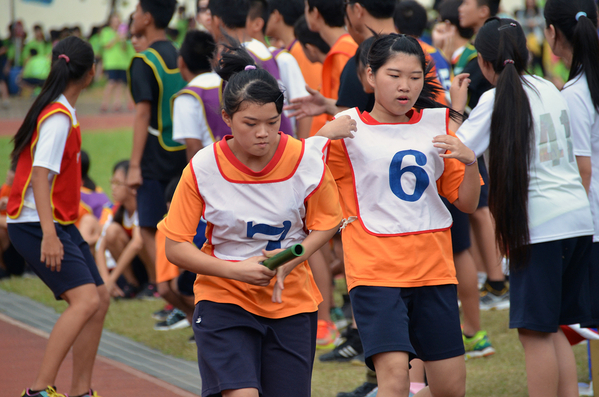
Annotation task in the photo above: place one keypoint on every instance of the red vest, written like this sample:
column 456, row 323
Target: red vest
column 64, row 188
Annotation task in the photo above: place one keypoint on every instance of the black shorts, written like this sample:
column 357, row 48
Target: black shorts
column 185, row 283
column 593, row 282
column 460, row 229
column 78, row 266
column 422, row 321
column 117, row 75
column 483, row 201
column 550, row 290
column 151, row 206
column 237, row 349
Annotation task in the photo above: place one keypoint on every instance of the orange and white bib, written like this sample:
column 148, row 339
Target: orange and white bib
column 395, row 168
column 268, row 214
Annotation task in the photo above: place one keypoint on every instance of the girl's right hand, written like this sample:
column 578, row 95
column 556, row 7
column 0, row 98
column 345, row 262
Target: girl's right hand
column 251, row 271
column 52, row 252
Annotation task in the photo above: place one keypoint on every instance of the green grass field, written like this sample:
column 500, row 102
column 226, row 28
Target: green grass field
column 500, row 375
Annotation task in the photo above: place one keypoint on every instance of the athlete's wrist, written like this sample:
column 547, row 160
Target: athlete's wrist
column 473, row 161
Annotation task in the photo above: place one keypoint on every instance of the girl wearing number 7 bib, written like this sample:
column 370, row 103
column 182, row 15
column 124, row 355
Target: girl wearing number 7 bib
column 259, row 191
column 396, row 236
column 543, row 219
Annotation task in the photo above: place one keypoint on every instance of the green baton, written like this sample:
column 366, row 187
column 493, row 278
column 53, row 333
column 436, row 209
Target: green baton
column 284, row 256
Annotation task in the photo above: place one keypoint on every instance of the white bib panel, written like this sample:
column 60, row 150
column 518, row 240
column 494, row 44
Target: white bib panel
column 395, row 169
column 249, row 217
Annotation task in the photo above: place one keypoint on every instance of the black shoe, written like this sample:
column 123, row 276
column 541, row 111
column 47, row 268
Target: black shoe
column 148, row 292
column 359, row 391
column 346, row 351
column 191, row 340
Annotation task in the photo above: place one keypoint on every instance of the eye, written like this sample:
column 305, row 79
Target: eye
column 250, row 124
column 272, row 122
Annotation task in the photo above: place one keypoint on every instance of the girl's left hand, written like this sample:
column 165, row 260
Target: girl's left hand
column 456, row 149
column 340, row 128
column 282, row 272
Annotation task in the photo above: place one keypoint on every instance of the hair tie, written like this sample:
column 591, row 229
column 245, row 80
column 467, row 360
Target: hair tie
column 508, row 61
column 580, row 14
column 65, row 57
column 510, row 25
column 250, row 67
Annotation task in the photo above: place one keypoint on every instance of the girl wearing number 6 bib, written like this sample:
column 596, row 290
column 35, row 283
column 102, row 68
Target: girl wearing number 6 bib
column 259, row 191
column 396, row 232
column 543, row 220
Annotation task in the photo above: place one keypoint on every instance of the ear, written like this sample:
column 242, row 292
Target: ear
column 370, row 76
column 358, row 9
column 254, row 26
column 276, row 17
column 551, row 32
column 226, row 118
column 484, row 13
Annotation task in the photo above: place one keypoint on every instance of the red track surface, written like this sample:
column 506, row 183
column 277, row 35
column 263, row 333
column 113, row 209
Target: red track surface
column 22, row 348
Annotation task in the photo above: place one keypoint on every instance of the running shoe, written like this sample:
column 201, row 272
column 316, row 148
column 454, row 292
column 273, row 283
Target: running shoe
column 326, row 335
column 348, row 350
column 360, row 391
column 176, row 320
column 91, row 393
column 478, row 346
column 491, row 299
column 162, row 314
column 49, row 392
column 148, row 292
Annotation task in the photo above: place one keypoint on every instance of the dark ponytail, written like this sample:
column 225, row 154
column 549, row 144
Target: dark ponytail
column 245, row 84
column 72, row 58
column 576, row 20
column 119, row 215
column 502, row 43
column 385, row 46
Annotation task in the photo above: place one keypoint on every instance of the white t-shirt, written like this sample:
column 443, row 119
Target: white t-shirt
column 53, row 134
column 557, row 204
column 584, row 122
column 189, row 119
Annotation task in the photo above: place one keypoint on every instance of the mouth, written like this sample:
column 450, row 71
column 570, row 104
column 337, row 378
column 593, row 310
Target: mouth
column 403, row 100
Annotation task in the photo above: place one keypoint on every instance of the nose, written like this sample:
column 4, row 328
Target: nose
column 403, row 85
column 262, row 130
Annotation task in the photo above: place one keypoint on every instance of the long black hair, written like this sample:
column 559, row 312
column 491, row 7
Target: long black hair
column 119, row 215
column 244, row 84
column 576, row 20
column 77, row 60
column 385, row 46
column 502, row 43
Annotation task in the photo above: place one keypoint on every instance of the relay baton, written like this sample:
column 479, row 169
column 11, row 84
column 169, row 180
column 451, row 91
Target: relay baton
column 284, row 256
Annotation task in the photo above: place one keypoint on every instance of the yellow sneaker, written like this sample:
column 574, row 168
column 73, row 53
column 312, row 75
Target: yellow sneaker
column 49, row 392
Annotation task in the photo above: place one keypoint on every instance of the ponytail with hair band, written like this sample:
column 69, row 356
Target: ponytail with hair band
column 580, row 14
column 65, row 57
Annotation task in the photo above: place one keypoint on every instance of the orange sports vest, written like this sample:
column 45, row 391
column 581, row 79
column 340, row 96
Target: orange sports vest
column 64, row 189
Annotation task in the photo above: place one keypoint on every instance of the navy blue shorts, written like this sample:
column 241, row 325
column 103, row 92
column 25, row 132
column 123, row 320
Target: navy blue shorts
column 483, row 200
column 185, row 283
column 460, row 229
column 151, row 206
column 591, row 286
column 117, row 75
column 550, row 290
column 237, row 349
column 78, row 266
column 422, row 321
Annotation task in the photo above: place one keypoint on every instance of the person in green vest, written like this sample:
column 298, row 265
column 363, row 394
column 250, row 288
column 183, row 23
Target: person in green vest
column 115, row 60
column 38, row 43
column 155, row 158
column 36, row 69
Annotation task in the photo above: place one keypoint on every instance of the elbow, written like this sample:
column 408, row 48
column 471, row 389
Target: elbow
column 467, row 206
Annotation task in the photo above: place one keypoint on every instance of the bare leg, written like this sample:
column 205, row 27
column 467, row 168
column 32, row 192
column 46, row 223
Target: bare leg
column 240, row 393
column 323, row 278
column 392, row 374
column 168, row 291
column 468, row 291
column 84, row 302
column 568, row 379
column 148, row 254
column 446, row 378
column 107, row 95
column 117, row 99
column 482, row 225
column 542, row 368
column 85, row 347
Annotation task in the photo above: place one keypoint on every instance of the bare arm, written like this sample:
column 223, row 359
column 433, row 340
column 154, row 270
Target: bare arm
column 315, row 240
column 469, row 190
column 459, row 97
column 193, row 146
column 303, row 127
column 189, row 257
column 586, row 171
column 140, row 136
column 52, row 251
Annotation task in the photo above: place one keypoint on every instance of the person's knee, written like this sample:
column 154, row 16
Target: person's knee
column 114, row 233
column 164, row 290
column 528, row 337
column 455, row 387
column 103, row 299
column 392, row 371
